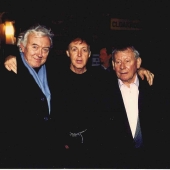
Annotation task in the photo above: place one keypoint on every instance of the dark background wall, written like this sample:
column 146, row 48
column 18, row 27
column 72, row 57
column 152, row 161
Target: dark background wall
column 93, row 17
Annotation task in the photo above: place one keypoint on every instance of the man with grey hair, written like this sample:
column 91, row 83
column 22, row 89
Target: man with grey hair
column 71, row 96
column 26, row 128
column 129, row 136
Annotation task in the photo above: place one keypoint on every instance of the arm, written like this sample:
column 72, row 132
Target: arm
column 142, row 72
column 11, row 63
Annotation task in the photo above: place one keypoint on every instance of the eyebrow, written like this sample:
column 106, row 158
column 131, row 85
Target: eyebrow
column 77, row 47
column 38, row 45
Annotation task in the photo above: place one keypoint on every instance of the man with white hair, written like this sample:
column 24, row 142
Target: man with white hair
column 26, row 128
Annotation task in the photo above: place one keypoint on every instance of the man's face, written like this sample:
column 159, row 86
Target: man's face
column 126, row 65
column 36, row 50
column 104, row 57
column 79, row 53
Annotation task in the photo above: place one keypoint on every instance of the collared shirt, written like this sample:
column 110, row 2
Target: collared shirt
column 106, row 69
column 130, row 98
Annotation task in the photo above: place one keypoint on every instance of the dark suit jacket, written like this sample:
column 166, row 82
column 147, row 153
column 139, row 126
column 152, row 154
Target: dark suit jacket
column 26, row 128
column 116, row 141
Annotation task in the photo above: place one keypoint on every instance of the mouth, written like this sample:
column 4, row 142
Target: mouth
column 37, row 59
column 79, row 61
column 123, row 73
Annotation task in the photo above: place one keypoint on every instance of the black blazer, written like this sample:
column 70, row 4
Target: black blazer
column 25, row 121
column 114, row 135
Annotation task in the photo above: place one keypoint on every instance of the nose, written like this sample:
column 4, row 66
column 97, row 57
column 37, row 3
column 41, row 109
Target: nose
column 39, row 52
column 79, row 53
column 122, row 65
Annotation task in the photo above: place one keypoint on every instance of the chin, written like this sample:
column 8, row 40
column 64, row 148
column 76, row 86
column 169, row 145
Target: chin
column 80, row 66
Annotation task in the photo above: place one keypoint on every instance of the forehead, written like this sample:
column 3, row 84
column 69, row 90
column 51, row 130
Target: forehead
column 35, row 38
column 78, row 43
column 103, row 50
column 125, row 53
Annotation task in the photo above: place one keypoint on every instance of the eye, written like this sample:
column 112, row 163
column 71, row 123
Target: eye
column 46, row 50
column 35, row 47
column 74, row 49
column 85, row 50
column 117, row 62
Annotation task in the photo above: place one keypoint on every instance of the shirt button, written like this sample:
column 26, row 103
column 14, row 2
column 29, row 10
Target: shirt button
column 45, row 118
column 42, row 99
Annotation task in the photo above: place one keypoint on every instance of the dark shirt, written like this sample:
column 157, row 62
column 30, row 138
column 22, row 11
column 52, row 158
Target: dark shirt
column 77, row 106
column 108, row 69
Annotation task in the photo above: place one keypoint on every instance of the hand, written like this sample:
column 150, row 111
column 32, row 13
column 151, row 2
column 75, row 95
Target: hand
column 142, row 72
column 11, row 63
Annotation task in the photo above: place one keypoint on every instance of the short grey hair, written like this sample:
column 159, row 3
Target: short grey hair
column 38, row 30
column 123, row 48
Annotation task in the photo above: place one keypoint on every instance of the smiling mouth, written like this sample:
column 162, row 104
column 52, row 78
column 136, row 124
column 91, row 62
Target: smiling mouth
column 37, row 59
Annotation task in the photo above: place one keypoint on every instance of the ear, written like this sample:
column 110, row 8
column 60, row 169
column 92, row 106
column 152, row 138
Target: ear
column 22, row 47
column 113, row 64
column 67, row 53
column 139, row 62
column 89, row 53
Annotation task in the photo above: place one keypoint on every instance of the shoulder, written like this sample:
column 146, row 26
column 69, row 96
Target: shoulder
column 144, row 83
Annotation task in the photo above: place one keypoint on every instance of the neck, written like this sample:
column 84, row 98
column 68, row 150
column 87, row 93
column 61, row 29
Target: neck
column 130, row 81
column 37, row 69
column 106, row 65
column 78, row 70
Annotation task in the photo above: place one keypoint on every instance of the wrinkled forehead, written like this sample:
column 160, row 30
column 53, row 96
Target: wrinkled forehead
column 125, row 54
column 38, row 36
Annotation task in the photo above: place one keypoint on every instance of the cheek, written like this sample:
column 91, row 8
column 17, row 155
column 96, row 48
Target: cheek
column 72, row 56
column 132, row 69
column 85, row 60
column 116, row 69
column 46, row 56
column 31, row 53
column 72, row 59
column 44, row 59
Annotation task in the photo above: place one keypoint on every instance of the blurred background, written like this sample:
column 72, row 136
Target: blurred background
column 144, row 23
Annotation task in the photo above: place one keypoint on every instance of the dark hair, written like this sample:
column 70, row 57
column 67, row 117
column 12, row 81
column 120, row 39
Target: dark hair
column 108, row 48
column 78, row 34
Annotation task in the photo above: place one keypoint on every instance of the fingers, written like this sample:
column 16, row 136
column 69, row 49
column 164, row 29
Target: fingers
column 7, row 67
column 10, row 64
column 11, row 67
column 146, row 73
column 141, row 73
column 150, row 77
column 142, row 76
column 14, row 69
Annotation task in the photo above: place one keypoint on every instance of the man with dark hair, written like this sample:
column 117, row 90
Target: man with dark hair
column 105, row 58
column 77, row 97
